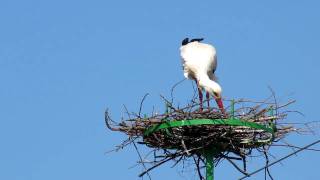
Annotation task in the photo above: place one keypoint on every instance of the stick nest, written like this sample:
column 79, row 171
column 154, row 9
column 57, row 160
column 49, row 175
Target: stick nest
column 191, row 141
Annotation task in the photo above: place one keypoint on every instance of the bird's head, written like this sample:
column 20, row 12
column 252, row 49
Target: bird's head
column 186, row 41
column 211, row 87
column 216, row 93
column 215, row 90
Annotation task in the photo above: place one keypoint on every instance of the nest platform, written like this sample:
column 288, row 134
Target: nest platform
column 208, row 134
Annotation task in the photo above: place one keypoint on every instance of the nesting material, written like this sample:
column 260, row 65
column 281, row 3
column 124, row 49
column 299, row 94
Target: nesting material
column 187, row 131
column 243, row 128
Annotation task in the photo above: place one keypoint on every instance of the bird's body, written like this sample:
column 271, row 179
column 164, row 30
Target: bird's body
column 199, row 61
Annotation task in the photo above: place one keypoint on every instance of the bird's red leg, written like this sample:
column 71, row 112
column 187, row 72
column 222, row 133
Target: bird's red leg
column 200, row 97
column 220, row 105
column 208, row 100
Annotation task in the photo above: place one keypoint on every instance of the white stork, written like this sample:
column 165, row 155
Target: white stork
column 199, row 62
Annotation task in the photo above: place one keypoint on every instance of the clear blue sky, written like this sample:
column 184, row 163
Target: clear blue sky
column 62, row 63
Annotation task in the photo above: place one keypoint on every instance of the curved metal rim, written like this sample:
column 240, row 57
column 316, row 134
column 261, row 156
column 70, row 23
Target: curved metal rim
column 192, row 122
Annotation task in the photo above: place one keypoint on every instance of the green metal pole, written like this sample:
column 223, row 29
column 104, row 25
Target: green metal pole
column 209, row 165
column 232, row 108
column 271, row 111
column 271, row 122
column 167, row 108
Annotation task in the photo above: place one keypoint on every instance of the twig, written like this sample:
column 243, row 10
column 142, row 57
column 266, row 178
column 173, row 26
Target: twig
column 144, row 166
column 267, row 163
column 106, row 119
column 285, row 157
column 297, row 147
column 174, row 86
column 197, row 163
column 141, row 103
column 237, row 167
column 185, row 147
column 158, row 164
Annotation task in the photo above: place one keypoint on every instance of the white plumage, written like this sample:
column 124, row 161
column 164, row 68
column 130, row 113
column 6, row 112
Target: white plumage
column 199, row 62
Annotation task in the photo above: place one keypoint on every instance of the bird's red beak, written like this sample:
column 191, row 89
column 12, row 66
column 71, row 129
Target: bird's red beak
column 220, row 105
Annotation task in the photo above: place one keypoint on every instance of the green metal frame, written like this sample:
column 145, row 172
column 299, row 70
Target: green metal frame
column 193, row 122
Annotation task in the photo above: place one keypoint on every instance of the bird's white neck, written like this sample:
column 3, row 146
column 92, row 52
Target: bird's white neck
column 209, row 85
